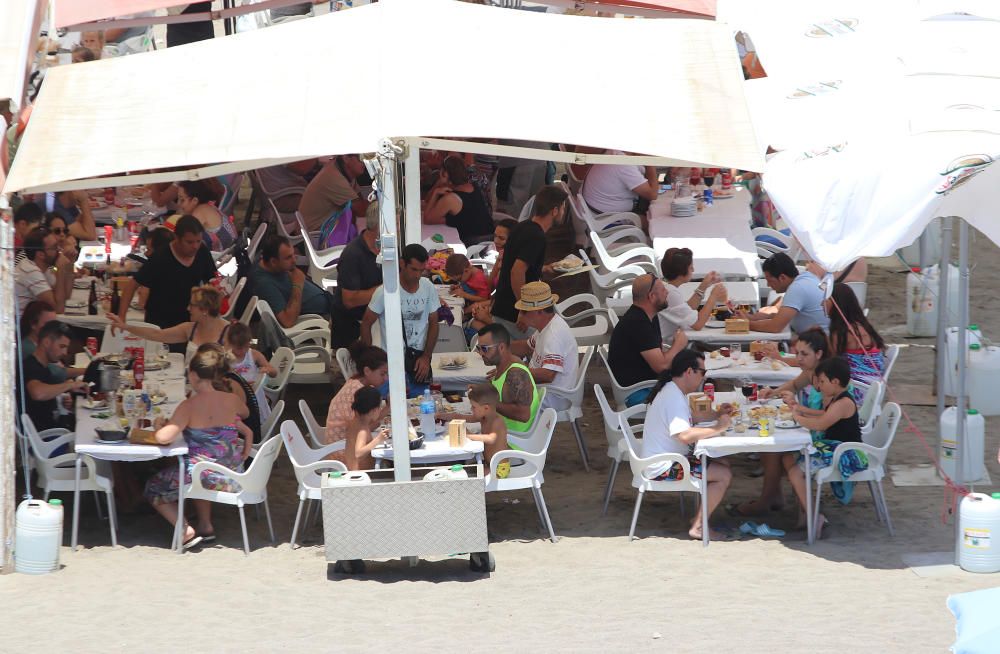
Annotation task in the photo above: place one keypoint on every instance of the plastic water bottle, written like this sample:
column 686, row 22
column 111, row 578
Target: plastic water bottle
column 427, row 414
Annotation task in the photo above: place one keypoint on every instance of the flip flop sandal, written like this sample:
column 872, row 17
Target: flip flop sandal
column 208, row 538
column 760, row 530
column 192, row 542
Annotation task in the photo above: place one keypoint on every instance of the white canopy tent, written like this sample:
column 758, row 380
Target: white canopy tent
column 278, row 103
column 894, row 110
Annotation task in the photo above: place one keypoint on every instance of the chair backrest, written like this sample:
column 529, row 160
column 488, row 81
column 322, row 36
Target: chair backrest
column 255, row 479
column 315, row 430
column 537, row 440
column 882, row 435
column 871, row 404
column 302, row 455
column 612, row 430
column 526, row 210
column 234, row 297
column 249, row 311
column 861, row 291
column 347, row 368
column 613, row 318
column 280, row 222
column 267, row 429
column 581, row 374
column 255, row 240
column 592, row 334
column 634, row 445
column 42, row 450
column 478, row 251
column 891, row 352
column 283, row 361
column 231, row 185
column 617, row 390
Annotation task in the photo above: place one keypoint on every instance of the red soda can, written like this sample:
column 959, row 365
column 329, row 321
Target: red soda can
column 92, row 345
column 710, row 390
column 133, row 227
column 138, row 373
column 109, row 195
column 753, row 395
column 108, row 237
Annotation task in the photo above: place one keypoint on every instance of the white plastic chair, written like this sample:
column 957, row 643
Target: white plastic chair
column 765, row 249
column 252, row 486
column 322, row 263
column 574, row 398
column 268, row 427
column 481, row 251
column 621, row 393
column 282, row 227
column 282, row 360
column 344, row 362
column 638, row 255
column 316, row 431
column 603, row 223
column 891, row 353
column 860, row 291
column 255, row 240
column 309, row 329
column 617, row 447
column 534, row 448
column 871, row 405
column 640, row 479
column 58, row 473
column 234, row 297
column 308, row 463
column 597, row 333
column 876, row 446
column 614, row 287
column 249, row 311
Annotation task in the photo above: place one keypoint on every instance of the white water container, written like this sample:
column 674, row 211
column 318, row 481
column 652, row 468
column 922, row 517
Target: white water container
column 337, row 478
column 973, row 468
column 983, row 379
column 922, row 290
column 38, row 535
column 440, row 474
column 979, row 523
column 972, row 336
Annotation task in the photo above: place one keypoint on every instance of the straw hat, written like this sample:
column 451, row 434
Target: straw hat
column 536, row 296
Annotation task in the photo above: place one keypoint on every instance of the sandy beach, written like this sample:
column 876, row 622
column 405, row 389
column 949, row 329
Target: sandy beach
column 591, row 591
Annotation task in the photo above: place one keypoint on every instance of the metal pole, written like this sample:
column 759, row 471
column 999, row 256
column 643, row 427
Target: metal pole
column 941, row 360
column 391, row 251
column 960, row 399
column 411, row 193
column 8, row 404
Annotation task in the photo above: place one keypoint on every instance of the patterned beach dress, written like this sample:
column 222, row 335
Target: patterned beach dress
column 218, row 444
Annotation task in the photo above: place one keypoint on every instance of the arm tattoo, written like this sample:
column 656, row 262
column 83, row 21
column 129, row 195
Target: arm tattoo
column 517, row 388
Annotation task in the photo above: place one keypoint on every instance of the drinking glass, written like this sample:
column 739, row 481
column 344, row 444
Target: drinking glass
column 746, row 387
column 735, row 351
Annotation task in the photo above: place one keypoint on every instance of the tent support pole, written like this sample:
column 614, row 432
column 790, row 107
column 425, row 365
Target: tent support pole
column 411, row 194
column 941, row 360
column 8, row 403
column 391, row 251
column 963, row 348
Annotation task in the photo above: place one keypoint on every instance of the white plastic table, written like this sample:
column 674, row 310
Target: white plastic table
column 719, row 236
column 718, row 336
column 171, row 381
column 758, row 372
column 450, row 235
column 780, row 440
column 474, row 371
column 80, row 318
column 437, row 450
column 738, row 292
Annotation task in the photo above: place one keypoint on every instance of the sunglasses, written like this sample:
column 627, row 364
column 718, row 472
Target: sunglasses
column 486, row 348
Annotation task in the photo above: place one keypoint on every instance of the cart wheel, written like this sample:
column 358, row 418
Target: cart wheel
column 482, row 562
column 349, row 566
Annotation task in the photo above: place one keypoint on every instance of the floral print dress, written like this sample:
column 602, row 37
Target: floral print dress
column 218, row 444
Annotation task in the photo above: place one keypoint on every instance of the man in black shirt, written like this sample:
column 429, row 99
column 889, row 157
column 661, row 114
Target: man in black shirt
column 40, row 386
column 635, row 353
column 524, row 256
column 170, row 274
column 358, row 275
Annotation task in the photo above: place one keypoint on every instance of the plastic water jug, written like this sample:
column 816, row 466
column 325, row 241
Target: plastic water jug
column 38, row 534
column 983, row 379
column 354, row 478
column 932, row 244
column 427, row 415
column 441, row 474
column 979, row 523
column 973, row 468
column 973, row 336
column 922, row 300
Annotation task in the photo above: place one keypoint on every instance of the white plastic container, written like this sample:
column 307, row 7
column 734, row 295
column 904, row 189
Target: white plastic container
column 38, row 535
column 911, row 253
column 973, row 468
column 979, row 522
column 355, row 478
column 983, row 379
column 922, row 300
column 973, row 335
column 440, row 474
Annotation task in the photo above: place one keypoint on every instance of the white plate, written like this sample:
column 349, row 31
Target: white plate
column 158, row 400
column 104, row 442
column 90, row 405
column 715, row 324
column 785, row 424
column 461, row 367
column 83, row 282
column 717, row 364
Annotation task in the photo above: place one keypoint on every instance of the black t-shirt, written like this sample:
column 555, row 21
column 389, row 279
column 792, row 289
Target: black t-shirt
column 474, row 221
column 170, row 283
column 356, row 271
column 42, row 412
column 184, row 33
column 527, row 243
column 634, row 334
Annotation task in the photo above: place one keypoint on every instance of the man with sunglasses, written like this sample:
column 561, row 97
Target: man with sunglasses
column 43, row 273
column 635, row 352
column 670, row 428
column 519, row 397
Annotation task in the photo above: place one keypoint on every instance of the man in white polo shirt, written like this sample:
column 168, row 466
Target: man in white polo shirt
column 552, row 347
column 616, row 189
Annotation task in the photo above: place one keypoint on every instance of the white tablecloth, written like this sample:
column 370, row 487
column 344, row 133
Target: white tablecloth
column 474, row 371
column 738, row 292
column 719, row 236
column 718, row 336
column 80, row 318
column 437, row 450
column 758, row 372
column 450, row 235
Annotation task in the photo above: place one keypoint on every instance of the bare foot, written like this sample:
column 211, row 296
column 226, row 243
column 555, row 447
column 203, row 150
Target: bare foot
column 759, row 506
column 695, row 533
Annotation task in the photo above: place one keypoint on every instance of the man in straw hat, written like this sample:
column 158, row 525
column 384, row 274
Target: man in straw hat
column 552, row 347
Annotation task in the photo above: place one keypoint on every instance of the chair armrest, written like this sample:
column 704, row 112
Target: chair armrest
column 639, row 385
column 319, row 466
column 308, row 321
column 586, row 313
column 641, row 465
column 321, row 453
column 876, row 455
column 54, row 440
column 619, row 216
column 321, row 350
column 537, row 460
column 310, row 338
column 212, row 466
column 88, row 467
column 629, row 232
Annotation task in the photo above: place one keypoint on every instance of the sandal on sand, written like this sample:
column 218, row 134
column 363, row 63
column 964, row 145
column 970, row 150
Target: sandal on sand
column 760, row 530
column 207, row 538
column 192, row 542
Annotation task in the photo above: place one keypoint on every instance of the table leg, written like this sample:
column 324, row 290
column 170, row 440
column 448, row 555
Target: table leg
column 810, row 518
column 704, row 500
column 76, row 502
column 179, row 525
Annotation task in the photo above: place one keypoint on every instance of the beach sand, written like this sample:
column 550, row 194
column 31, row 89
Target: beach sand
column 591, row 591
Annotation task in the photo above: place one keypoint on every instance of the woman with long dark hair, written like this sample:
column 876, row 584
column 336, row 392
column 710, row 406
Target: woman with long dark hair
column 853, row 338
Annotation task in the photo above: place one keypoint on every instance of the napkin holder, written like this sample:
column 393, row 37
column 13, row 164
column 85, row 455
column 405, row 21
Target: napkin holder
column 757, row 346
column 737, row 326
column 700, row 403
column 456, row 433
column 138, row 436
